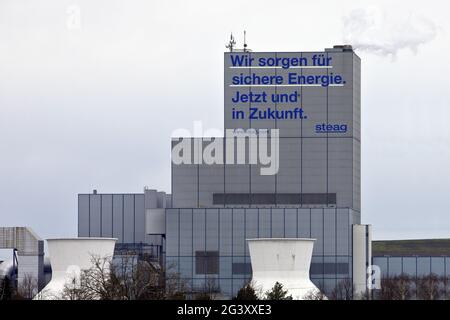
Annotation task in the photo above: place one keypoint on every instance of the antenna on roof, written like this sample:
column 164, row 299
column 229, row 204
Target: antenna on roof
column 245, row 41
column 231, row 44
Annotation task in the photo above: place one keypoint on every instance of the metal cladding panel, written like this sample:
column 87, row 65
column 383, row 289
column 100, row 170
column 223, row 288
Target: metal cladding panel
column 317, row 230
column 278, row 223
column 172, row 217
column 211, row 180
column 155, row 221
column 239, row 246
column 356, row 175
column 314, row 165
column 289, row 177
column 212, row 229
column 237, row 178
column 185, row 185
column 261, row 183
column 199, row 230
column 304, row 223
column 290, row 223
column 129, row 219
column 118, row 218
column 83, row 215
column 329, row 234
column 340, row 177
column 288, row 86
column 186, row 224
column 31, row 268
column 357, row 97
column 139, row 218
column 265, row 223
column 21, row 238
column 344, row 233
column 107, row 215
column 95, row 215
column 225, row 231
column 319, row 151
column 151, row 199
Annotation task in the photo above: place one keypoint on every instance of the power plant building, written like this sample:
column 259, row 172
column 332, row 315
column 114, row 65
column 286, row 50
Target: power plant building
column 300, row 178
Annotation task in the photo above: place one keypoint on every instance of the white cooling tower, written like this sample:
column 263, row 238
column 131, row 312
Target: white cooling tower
column 69, row 256
column 286, row 261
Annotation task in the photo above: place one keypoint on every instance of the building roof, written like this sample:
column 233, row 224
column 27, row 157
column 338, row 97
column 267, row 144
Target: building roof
column 419, row 247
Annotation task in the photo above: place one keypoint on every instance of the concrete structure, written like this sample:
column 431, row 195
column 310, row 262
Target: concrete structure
column 123, row 216
column 286, row 261
column 215, row 207
column 30, row 252
column 68, row 257
column 362, row 256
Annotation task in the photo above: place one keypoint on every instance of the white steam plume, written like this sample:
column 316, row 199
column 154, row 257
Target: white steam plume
column 373, row 30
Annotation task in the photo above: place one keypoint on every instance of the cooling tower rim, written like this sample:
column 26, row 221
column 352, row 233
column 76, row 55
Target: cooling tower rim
column 281, row 239
column 81, row 238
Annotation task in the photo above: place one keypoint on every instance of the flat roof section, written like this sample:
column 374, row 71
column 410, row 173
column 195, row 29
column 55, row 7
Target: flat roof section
column 418, row 247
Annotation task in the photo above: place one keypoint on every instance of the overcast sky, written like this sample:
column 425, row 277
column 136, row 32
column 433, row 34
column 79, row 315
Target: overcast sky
column 89, row 101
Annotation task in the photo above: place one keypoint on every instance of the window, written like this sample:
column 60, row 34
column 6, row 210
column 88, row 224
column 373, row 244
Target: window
column 207, row 262
column 242, row 268
column 329, row 268
column 274, row 198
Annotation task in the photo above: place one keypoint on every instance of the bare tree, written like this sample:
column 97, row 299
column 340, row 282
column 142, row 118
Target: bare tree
column 28, row 287
column 444, row 280
column 395, row 288
column 415, row 287
column 428, row 287
column 209, row 291
column 92, row 284
column 76, row 290
column 403, row 287
column 344, row 290
column 387, row 291
column 315, row 295
column 176, row 288
column 129, row 279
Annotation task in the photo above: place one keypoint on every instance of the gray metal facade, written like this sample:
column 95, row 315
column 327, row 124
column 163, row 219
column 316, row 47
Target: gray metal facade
column 323, row 172
column 214, row 208
column 120, row 216
column 30, row 252
column 316, row 192
column 414, row 266
column 310, row 162
column 222, row 234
